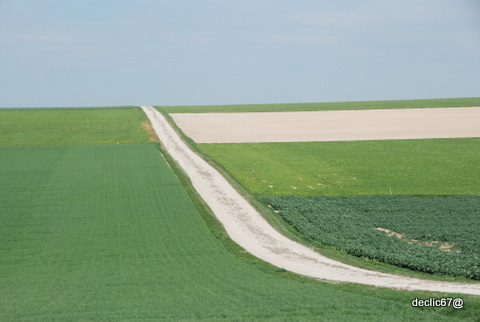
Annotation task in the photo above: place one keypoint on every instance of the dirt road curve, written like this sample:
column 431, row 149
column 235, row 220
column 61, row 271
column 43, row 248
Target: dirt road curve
column 409, row 123
column 248, row 228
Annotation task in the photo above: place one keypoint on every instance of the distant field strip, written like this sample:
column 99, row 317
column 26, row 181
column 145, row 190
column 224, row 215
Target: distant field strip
column 325, row 106
column 330, row 125
column 72, row 126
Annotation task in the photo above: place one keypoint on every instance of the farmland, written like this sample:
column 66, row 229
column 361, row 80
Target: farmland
column 399, row 167
column 71, row 126
column 393, row 229
column 352, row 171
column 91, row 231
column 327, row 106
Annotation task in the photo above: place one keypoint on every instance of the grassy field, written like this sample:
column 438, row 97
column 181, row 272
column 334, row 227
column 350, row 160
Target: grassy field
column 72, row 126
column 108, row 232
column 398, row 167
column 360, row 105
column 111, row 231
column 393, row 229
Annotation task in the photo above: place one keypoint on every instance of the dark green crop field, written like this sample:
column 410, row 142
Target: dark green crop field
column 393, row 229
column 359, row 105
column 113, row 232
column 398, row 167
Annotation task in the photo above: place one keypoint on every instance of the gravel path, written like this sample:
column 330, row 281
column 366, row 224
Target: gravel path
column 250, row 230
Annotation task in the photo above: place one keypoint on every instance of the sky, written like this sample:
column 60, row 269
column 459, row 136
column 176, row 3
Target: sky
column 205, row 52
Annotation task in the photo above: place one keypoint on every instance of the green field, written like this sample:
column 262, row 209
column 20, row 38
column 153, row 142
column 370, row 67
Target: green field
column 111, row 232
column 393, row 229
column 379, row 173
column 358, row 105
column 72, row 126
column 399, row 167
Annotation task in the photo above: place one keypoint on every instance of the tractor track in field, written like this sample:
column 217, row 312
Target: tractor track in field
column 251, row 231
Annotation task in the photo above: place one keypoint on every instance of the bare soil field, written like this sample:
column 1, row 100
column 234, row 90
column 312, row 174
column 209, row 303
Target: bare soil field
column 250, row 230
column 413, row 123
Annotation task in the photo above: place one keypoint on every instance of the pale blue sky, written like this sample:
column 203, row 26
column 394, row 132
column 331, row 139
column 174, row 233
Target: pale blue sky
column 197, row 52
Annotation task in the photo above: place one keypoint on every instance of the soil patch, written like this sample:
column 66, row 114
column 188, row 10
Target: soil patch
column 412, row 123
column 443, row 246
column 147, row 127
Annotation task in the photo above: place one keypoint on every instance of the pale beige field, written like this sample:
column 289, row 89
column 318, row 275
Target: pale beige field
column 415, row 123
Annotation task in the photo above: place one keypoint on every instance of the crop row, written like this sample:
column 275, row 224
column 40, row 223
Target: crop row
column 427, row 234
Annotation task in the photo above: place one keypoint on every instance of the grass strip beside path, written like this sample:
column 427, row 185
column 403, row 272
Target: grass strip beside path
column 388, row 167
